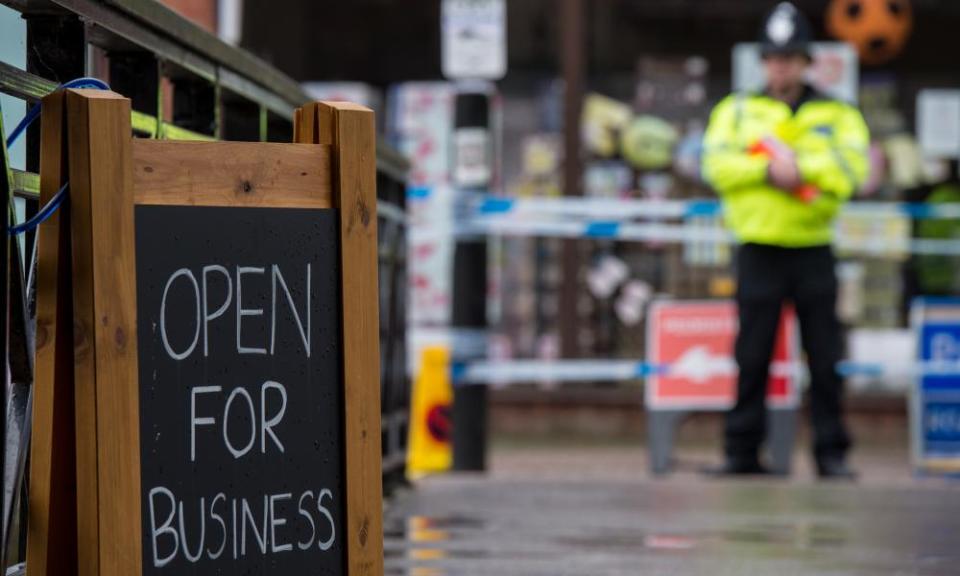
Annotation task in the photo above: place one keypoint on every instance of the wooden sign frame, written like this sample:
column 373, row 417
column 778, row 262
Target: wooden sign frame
column 85, row 484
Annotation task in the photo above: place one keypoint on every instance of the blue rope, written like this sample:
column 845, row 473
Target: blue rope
column 28, row 119
column 34, row 112
column 42, row 215
column 32, row 115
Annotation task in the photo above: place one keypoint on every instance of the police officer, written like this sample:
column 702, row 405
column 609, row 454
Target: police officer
column 784, row 161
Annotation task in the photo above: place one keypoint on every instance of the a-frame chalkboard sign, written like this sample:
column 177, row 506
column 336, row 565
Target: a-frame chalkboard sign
column 207, row 381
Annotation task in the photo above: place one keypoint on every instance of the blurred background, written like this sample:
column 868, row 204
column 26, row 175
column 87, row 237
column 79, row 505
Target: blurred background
column 626, row 86
column 542, row 207
column 644, row 76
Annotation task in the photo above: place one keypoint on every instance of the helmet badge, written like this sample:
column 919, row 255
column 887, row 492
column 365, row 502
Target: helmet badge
column 781, row 25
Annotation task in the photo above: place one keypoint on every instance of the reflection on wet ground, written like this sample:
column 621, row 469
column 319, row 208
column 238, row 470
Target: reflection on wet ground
column 470, row 525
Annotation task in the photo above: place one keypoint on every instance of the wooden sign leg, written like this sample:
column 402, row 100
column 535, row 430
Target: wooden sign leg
column 52, row 509
column 350, row 129
column 104, row 290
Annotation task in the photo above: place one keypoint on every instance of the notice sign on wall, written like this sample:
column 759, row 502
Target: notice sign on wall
column 938, row 122
column 240, row 390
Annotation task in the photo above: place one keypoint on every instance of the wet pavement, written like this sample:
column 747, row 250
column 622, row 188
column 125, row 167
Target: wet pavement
column 570, row 516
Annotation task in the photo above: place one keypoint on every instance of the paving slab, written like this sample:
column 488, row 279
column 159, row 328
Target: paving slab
column 581, row 512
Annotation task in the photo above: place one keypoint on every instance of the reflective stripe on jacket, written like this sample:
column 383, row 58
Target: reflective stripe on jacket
column 830, row 141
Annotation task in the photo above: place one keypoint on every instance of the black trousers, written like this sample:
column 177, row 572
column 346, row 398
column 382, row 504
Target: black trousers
column 767, row 276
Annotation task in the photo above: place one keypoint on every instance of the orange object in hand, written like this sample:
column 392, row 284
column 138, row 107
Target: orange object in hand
column 771, row 148
column 763, row 147
column 806, row 192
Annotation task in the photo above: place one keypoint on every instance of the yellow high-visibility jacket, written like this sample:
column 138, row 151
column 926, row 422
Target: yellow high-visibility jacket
column 830, row 141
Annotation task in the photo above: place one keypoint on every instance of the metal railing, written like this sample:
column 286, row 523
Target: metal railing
column 184, row 83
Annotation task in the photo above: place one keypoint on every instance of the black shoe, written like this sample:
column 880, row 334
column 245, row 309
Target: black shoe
column 732, row 467
column 835, row 468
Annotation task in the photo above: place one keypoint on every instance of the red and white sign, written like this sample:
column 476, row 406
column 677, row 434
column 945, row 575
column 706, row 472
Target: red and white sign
column 695, row 339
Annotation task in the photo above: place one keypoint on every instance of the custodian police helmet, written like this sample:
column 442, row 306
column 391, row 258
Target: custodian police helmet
column 785, row 31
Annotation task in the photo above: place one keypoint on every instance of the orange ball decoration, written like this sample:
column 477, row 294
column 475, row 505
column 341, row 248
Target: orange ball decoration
column 878, row 29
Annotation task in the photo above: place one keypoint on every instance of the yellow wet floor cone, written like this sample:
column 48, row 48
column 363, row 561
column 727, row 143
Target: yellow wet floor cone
column 430, row 448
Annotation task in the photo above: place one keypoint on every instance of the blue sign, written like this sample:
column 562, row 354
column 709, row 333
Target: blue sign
column 940, row 342
column 938, row 395
column 941, row 424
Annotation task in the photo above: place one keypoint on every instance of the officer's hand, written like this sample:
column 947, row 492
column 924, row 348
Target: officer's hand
column 783, row 173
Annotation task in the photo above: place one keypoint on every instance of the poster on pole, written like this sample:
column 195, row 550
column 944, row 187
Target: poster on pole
column 473, row 39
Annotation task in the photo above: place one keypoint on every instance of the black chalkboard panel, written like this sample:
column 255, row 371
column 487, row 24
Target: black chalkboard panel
column 240, row 390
